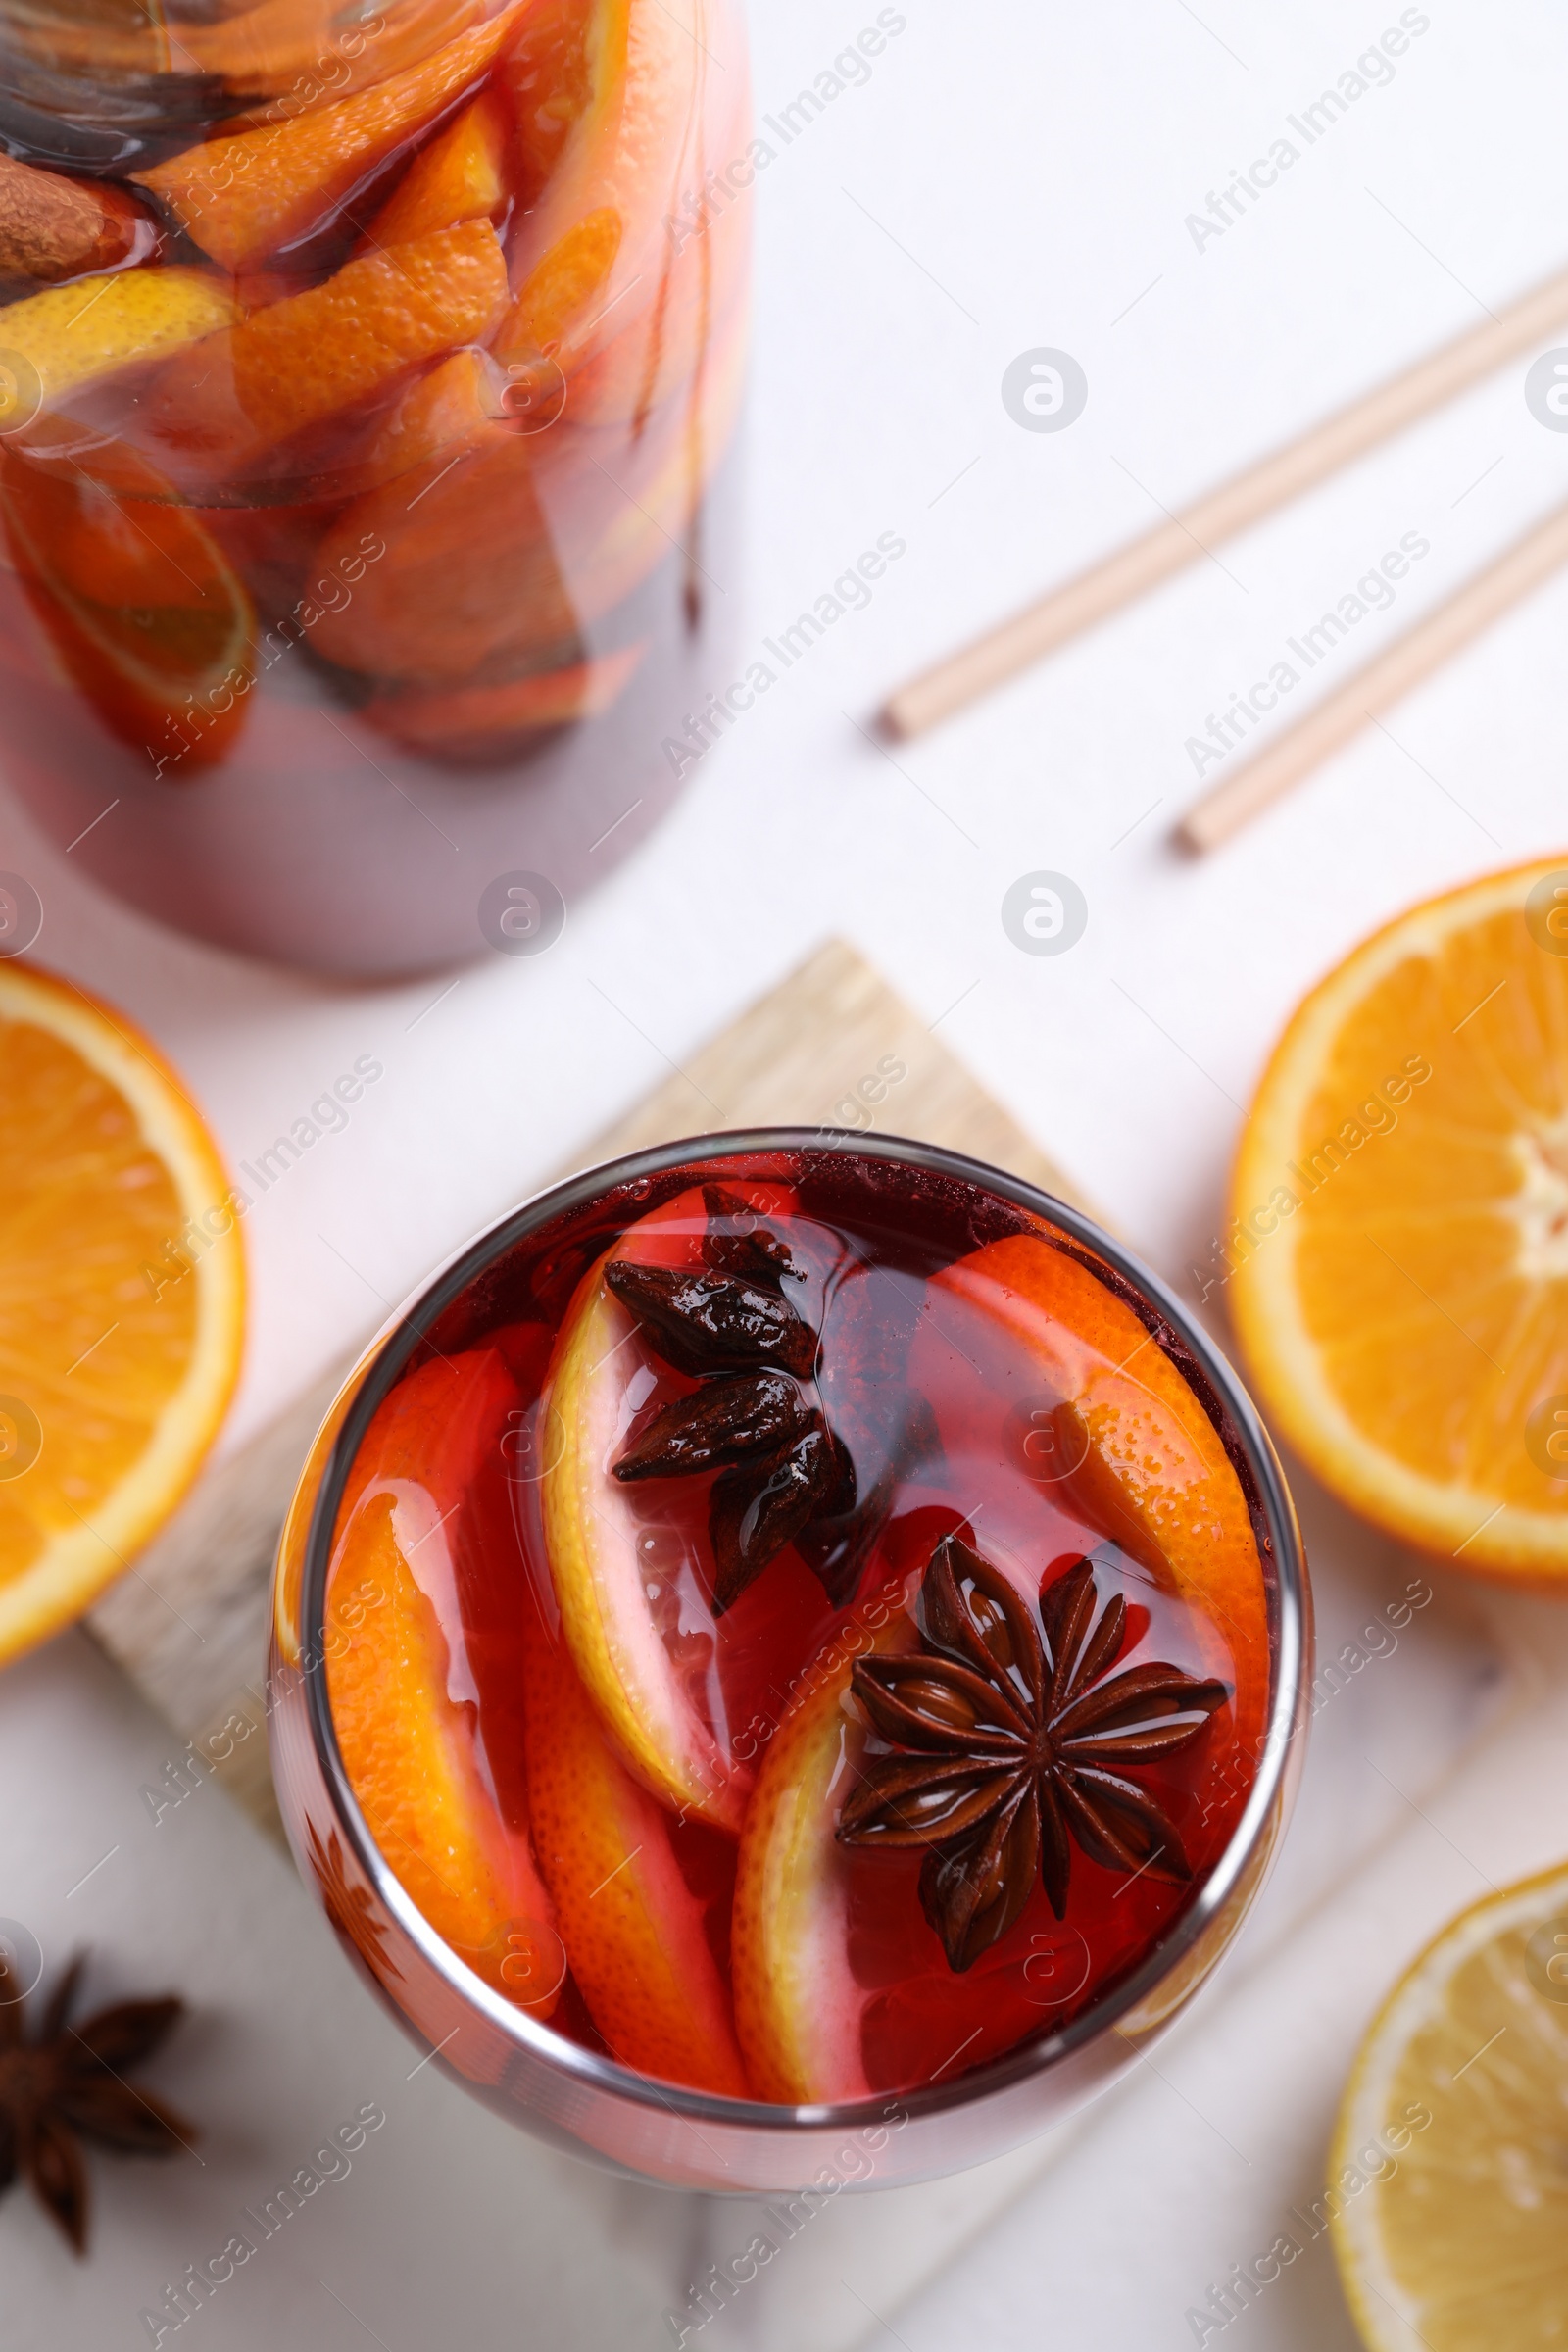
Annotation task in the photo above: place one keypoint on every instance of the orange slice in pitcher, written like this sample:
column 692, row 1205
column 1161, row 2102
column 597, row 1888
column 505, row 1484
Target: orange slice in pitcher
column 477, row 526
column 457, row 178
column 477, row 715
column 122, row 1307
column 411, row 1748
column 1399, row 1245
column 317, row 354
column 53, row 342
column 251, row 195
column 302, row 49
column 138, row 600
column 460, row 401
column 631, row 266
column 564, row 67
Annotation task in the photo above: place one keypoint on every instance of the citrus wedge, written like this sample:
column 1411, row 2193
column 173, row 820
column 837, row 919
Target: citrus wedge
column 797, row 2004
column 564, row 67
column 479, row 714
column 459, row 401
column 140, row 602
column 1144, row 1461
column 658, row 110
column 397, row 1664
column 532, row 536
column 301, row 48
column 633, row 1576
column 644, row 1673
column 1399, row 1233
column 251, row 195
column 316, row 354
column 457, row 178
column 123, row 1305
column 53, row 343
column 635, row 1931
column 1447, row 2194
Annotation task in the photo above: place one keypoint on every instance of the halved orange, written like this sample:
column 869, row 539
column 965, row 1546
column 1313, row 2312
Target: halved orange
column 122, row 1307
column 1396, row 1260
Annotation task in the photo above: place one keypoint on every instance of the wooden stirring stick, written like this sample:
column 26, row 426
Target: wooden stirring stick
column 1003, row 652
column 1383, row 682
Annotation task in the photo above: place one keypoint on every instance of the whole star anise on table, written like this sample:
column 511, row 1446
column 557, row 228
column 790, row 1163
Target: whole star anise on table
column 65, row 2083
column 731, row 1325
column 1020, row 1748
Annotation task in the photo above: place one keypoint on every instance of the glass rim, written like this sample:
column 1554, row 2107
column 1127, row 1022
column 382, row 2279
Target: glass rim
column 1288, row 1591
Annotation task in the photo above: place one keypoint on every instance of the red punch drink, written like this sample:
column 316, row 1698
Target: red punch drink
column 798, row 1627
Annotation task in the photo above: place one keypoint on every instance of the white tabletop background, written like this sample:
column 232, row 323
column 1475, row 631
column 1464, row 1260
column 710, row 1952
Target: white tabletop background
column 1015, row 174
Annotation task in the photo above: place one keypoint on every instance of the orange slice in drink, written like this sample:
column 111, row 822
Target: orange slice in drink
column 1397, row 1256
column 1143, row 1461
column 798, row 2005
column 457, row 178
column 621, row 1623
column 450, row 1824
column 635, row 1585
column 256, row 193
column 121, row 1308
column 316, row 354
column 634, row 1928
column 138, row 600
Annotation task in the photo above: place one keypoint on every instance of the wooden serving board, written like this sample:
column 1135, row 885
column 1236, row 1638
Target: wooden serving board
column 830, row 1046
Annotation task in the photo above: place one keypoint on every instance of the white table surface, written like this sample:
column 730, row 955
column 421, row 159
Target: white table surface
column 1012, row 177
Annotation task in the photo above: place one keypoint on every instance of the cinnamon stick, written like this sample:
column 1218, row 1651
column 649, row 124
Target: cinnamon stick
column 51, row 227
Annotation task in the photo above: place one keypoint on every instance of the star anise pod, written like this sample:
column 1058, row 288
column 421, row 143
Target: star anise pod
column 730, row 1324
column 66, row 2083
column 1021, row 1747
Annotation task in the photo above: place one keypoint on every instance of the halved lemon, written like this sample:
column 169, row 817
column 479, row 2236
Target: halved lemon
column 1396, row 1259
column 1449, row 2178
column 121, row 1298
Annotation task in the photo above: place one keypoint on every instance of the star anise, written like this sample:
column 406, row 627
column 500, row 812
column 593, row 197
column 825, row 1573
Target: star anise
column 66, row 2083
column 730, row 1324
column 1021, row 1747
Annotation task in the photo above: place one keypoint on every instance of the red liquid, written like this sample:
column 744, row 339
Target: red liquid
column 941, row 1405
